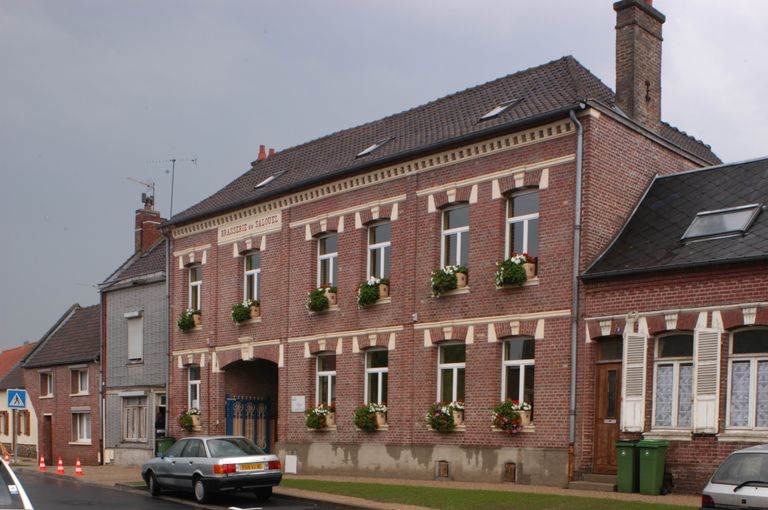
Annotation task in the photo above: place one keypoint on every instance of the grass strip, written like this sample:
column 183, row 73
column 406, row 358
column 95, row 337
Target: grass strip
column 466, row 499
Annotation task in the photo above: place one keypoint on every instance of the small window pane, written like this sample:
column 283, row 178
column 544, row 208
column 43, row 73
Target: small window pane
column 527, row 203
column 446, row 388
column 528, row 385
column 384, row 384
column 329, row 244
column 457, row 217
column 721, row 222
column 517, row 237
column 611, row 394
column 460, row 384
column 194, row 373
column 325, row 272
column 252, row 261
column 377, row 359
column 373, row 387
column 750, row 341
column 374, row 270
column 519, row 349
column 451, row 245
column 386, row 263
column 664, row 389
column 326, row 363
column 464, row 259
column 195, row 274
column 676, row 346
column 740, row 385
column 761, row 413
column 611, row 349
column 380, row 233
column 533, row 238
column 513, row 382
column 455, row 353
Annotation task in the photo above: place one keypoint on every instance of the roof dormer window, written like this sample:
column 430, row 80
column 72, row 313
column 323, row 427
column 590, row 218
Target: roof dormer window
column 722, row 222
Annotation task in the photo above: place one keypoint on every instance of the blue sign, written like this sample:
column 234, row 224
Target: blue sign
column 17, row 399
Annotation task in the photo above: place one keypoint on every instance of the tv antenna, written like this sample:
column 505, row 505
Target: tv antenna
column 148, row 197
column 172, row 171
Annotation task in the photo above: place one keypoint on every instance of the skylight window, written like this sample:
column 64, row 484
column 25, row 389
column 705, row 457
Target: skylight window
column 373, row 147
column 498, row 110
column 722, row 222
column 268, row 180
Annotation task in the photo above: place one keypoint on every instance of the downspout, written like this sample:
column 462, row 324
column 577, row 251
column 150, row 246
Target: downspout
column 168, row 330
column 103, row 376
column 575, row 290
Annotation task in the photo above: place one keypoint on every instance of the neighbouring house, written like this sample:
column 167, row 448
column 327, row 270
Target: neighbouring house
column 18, row 428
column 135, row 346
column 677, row 321
column 62, row 378
column 548, row 161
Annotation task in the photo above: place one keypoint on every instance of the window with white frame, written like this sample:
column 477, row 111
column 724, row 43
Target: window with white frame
column 519, row 361
column 673, row 381
column 195, row 287
column 252, row 276
column 748, row 379
column 450, row 372
column 326, row 379
column 81, row 426
column 379, row 236
column 523, row 223
column 135, row 418
column 46, row 384
column 78, row 381
column 327, row 260
column 376, row 375
column 193, row 387
column 135, row 338
column 455, row 236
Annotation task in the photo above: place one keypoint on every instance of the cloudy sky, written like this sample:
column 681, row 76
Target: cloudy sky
column 93, row 92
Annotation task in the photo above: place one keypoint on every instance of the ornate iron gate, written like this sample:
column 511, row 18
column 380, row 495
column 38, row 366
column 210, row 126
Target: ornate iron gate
column 249, row 417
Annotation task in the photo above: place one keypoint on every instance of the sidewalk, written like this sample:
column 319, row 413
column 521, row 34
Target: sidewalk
column 130, row 476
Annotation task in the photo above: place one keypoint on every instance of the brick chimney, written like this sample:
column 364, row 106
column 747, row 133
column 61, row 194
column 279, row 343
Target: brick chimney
column 148, row 223
column 638, row 61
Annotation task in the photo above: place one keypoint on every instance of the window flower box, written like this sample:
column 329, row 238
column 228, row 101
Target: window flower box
column 372, row 290
column 321, row 298
column 443, row 416
column 255, row 310
column 515, row 271
column 511, row 416
column 189, row 319
column 242, row 312
column 448, row 278
column 370, row 417
column 321, row 417
column 330, row 293
column 189, row 420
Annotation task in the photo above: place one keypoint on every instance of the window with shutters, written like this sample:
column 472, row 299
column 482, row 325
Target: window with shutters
column 46, row 385
column 673, row 381
column 748, row 380
column 23, row 421
column 135, row 418
column 81, row 427
column 78, row 381
column 135, row 338
column 4, row 429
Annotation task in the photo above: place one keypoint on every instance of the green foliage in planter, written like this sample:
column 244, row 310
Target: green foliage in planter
column 241, row 312
column 510, row 272
column 185, row 421
column 186, row 321
column 365, row 419
column 367, row 295
column 317, row 301
column 506, row 417
column 317, row 416
column 440, row 417
column 442, row 281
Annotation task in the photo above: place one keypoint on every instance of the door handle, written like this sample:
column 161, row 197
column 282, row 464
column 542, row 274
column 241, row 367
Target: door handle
column 190, row 462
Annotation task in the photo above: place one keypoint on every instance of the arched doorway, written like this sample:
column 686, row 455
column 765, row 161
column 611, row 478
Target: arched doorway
column 251, row 407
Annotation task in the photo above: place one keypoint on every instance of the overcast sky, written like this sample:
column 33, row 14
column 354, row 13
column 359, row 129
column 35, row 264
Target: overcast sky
column 93, row 92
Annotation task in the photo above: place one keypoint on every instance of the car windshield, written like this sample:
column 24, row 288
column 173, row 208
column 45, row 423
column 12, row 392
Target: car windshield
column 743, row 467
column 233, row 447
column 9, row 493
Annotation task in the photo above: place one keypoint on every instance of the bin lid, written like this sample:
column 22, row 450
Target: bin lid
column 627, row 443
column 652, row 443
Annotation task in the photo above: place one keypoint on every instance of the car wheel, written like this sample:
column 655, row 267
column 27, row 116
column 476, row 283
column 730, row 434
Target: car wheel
column 201, row 491
column 154, row 487
column 263, row 493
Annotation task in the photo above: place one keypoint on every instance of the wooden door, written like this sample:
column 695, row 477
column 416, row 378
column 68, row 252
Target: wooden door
column 607, row 416
column 46, row 443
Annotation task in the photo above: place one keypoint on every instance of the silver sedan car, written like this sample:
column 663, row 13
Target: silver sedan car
column 206, row 465
column 741, row 481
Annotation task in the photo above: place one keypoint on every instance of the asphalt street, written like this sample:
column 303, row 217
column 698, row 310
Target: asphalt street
column 49, row 493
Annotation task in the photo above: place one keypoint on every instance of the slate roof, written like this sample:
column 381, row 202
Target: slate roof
column 546, row 91
column 11, row 373
column 74, row 339
column 141, row 264
column 651, row 238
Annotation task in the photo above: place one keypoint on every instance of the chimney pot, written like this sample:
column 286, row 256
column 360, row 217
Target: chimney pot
column 271, row 151
column 262, row 152
column 147, row 229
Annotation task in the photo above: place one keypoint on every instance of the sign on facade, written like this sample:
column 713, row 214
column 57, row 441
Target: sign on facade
column 17, row 399
column 298, row 404
column 257, row 224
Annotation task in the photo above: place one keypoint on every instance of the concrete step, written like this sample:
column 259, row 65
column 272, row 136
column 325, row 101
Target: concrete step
column 590, row 477
column 592, row 486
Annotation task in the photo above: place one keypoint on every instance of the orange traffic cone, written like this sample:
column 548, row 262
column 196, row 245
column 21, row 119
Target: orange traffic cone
column 42, row 463
column 60, row 467
column 78, row 468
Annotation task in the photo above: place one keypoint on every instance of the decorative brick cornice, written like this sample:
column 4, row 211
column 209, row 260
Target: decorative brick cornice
column 189, row 357
column 359, row 339
column 240, row 248
column 318, row 228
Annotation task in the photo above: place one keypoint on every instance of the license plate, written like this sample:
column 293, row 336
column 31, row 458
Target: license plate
column 256, row 466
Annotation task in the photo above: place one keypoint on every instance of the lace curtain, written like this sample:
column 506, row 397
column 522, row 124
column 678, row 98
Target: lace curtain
column 740, row 394
column 664, row 390
column 685, row 396
column 762, row 394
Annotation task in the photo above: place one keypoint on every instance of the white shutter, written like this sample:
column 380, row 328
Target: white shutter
column 706, row 355
column 136, row 338
column 633, row 384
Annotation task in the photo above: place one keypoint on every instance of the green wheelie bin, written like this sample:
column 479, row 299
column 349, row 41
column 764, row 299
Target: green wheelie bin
column 162, row 444
column 653, row 455
column 626, row 465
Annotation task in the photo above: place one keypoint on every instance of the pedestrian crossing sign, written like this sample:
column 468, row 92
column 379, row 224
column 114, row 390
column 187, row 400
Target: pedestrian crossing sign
column 17, row 399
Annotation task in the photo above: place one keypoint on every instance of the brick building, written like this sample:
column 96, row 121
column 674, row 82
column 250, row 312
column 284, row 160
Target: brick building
column 135, row 345
column 18, row 428
column 677, row 323
column 61, row 375
column 547, row 160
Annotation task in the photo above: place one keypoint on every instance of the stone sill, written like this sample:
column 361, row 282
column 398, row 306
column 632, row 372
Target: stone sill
column 454, row 292
column 135, row 362
column 77, row 394
column 382, row 428
column 332, row 308
column 530, row 429
column 255, row 320
column 528, row 283
column 330, row 428
column 671, row 435
column 45, row 397
column 460, row 428
column 383, row 301
column 80, row 443
column 742, row 436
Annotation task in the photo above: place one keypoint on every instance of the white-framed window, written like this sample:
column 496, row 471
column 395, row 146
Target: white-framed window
column 195, row 287
column 518, row 367
column 46, row 384
column 326, row 379
column 4, row 423
column 673, row 381
column 135, row 418
column 454, row 248
column 327, row 260
column 450, row 372
column 252, row 273
column 193, row 387
column 135, row 338
column 523, row 223
column 748, row 380
column 81, row 426
column 376, row 376
column 379, row 244
column 78, row 381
